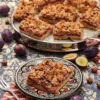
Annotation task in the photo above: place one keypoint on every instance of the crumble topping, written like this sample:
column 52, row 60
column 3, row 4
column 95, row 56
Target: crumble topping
column 23, row 10
column 38, row 3
column 91, row 17
column 59, row 11
column 35, row 26
column 70, row 28
column 50, row 74
column 83, row 5
column 91, row 3
column 41, row 3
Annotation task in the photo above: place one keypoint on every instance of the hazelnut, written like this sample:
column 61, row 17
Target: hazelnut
column 89, row 80
column 7, row 21
column 98, row 85
column 94, row 69
column 4, row 63
column 96, row 59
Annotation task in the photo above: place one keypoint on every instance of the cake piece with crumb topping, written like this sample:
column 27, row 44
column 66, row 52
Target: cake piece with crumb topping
column 41, row 3
column 24, row 9
column 63, row 30
column 50, row 76
column 35, row 28
column 91, row 19
column 53, row 13
column 83, row 5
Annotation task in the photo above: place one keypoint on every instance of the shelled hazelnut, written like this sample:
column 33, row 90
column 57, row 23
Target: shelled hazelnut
column 94, row 69
column 98, row 85
column 7, row 21
column 89, row 80
column 4, row 63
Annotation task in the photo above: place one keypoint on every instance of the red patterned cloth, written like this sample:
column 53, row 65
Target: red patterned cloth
column 9, row 96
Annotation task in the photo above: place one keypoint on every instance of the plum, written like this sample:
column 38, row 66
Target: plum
column 16, row 36
column 7, row 35
column 20, row 50
column 1, row 44
column 91, row 52
column 4, row 9
column 76, row 97
column 82, row 45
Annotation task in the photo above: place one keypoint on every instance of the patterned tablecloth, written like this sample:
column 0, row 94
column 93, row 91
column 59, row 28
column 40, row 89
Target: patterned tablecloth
column 89, row 92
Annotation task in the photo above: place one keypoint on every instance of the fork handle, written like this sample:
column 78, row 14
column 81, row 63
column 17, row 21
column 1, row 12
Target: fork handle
column 14, row 94
column 96, row 39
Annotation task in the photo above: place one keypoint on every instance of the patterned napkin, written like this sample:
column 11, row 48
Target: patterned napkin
column 8, row 96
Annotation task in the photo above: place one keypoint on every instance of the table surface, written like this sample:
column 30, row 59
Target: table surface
column 89, row 92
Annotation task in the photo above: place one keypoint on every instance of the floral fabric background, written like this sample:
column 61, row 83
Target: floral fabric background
column 89, row 92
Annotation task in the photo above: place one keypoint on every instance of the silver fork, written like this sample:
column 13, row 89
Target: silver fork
column 4, row 86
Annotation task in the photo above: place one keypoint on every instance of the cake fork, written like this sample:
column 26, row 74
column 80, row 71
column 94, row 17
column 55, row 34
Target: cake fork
column 5, row 87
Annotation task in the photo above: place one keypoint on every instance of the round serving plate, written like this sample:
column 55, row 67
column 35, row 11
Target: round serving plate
column 88, row 33
column 45, row 46
column 53, row 47
column 70, row 88
column 49, row 44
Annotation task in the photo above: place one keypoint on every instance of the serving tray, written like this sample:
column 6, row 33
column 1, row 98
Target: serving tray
column 49, row 44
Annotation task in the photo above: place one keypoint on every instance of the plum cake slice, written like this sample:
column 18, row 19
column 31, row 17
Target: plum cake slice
column 63, row 30
column 24, row 9
column 35, row 28
column 53, row 13
column 39, row 4
column 83, row 5
column 50, row 76
column 91, row 19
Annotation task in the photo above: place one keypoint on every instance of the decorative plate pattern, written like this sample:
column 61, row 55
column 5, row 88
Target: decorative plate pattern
column 69, row 89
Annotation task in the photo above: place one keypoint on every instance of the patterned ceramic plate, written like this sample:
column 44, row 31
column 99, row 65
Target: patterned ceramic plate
column 70, row 88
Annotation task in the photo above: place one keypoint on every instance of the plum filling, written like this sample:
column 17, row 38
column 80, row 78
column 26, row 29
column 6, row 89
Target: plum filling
column 91, row 23
column 68, row 34
column 43, row 33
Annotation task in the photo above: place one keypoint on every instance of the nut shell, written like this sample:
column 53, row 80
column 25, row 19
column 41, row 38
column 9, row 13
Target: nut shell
column 4, row 63
column 94, row 69
column 98, row 85
column 89, row 80
column 7, row 21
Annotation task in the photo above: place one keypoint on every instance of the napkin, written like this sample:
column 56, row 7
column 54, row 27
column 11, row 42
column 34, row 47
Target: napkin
column 9, row 96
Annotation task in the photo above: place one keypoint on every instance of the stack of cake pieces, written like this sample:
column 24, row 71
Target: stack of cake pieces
column 61, row 18
column 50, row 76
